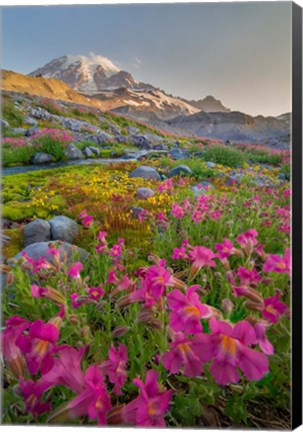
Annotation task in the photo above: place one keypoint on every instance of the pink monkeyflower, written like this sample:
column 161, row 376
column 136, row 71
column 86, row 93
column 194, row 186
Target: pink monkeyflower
column 188, row 353
column 260, row 251
column 200, row 256
column 67, row 369
column 112, row 278
column 186, row 205
column 92, row 401
column 229, row 345
column 74, row 271
column 54, row 251
column 182, row 182
column 37, row 346
column 101, row 248
column 116, row 251
column 186, row 311
column 248, row 292
column 179, row 253
column 14, row 327
column 122, row 285
column 265, row 345
column 287, row 193
column 247, row 276
column 96, row 292
column 278, row 263
column 101, row 236
column 159, row 279
column 49, row 292
column 248, row 240
column 82, row 215
column 75, row 302
column 197, row 216
column 87, row 221
column 273, row 308
column 115, row 367
column 215, row 215
column 225, row 249
column 161, row 217
column 149, row 407
column 32, row 393
column 177, row 211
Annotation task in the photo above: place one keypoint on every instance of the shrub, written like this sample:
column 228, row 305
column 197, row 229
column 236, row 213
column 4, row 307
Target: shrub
column 52, row 141
column 17, row 155
column 285, row 169
column 224, row 156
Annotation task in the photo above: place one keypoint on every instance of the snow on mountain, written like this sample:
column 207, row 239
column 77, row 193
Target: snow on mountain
column 86, row 74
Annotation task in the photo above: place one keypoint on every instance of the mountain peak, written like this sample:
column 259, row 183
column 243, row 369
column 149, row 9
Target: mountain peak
column 209, row 104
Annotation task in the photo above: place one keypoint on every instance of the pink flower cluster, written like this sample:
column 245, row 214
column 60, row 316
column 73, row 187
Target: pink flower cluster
column 14, row 142
column 61, row 136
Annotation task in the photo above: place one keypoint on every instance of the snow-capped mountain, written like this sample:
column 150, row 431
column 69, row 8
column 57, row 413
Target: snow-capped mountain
column 88, row 74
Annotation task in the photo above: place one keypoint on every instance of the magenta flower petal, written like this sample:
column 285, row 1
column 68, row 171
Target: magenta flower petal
column 224, row 373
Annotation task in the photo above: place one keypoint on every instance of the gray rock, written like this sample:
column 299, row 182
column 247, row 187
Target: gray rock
column 132, row 130
column 146, row 172
column 210, row 164
column 141, row 142
column 144, row 193
column 180, row 170
column 30, row 131
column 4, row 123
column 31, row 121
column 72, row 152
column 63, row 228
column 37, row 231
column 135, row 211
column 40, row 250
column 94, row 150
column 40, row 113
column 101, row 138
column 121, row 139
column 178, row 154
column 87, row 152
column 42, row 158
column 282, row 176
column 19, row 131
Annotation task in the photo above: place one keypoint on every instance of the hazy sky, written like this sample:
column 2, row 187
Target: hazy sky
column 238, row 52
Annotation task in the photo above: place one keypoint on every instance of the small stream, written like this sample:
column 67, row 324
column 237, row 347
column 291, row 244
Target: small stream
column 28, row 168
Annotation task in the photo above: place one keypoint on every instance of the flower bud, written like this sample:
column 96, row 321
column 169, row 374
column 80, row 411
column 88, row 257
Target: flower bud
column 73, row 319
column 119, row 331
column 227, row 305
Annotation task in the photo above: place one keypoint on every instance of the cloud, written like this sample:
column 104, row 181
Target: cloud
column 137, row 63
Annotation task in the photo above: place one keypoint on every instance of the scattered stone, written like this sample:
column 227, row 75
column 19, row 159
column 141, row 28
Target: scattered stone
column 40, row 250
column 72, row 152
column 40, row 113
column 37, row 231
column 122, row 139
column 19, row 131
column 87, row 152
column 132, row 130
column 63, row 228
column 4, row 123
column 141, row 142
column 101, row 138
column 42, row 158
column 210, row 164
column 180, row 170
column 146, row 172
column 31, row 121
column 178, row 154
column 136, row 211
column 144, row 193
column 30, row 131
column 94, row 150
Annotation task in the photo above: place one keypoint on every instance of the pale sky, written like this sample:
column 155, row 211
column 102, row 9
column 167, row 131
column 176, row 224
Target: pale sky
column 238, row 52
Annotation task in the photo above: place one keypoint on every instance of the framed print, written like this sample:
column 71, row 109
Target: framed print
column 151, row 218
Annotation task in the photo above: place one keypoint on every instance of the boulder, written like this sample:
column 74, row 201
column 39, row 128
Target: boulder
column 42, row 158
column 63, row 228
column 30, row 131
column 4, row 123
column 101, row 138
column 144, row 193
column 72, row 152
column 37, row 231
column 210, row 164
column 19, row 131
column 40, row 113
column 94, row 150
column 146, row 172
column 141, row 142
column 180, row 170
column 87, row 152
column 178, row 154
column 31, row 121
column 40, row 250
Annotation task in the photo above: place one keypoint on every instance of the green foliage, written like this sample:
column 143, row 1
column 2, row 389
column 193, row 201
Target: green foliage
column 48, row 145
column 17, row 155
column 11, row 114
column 224, row 156
column 285, row 169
